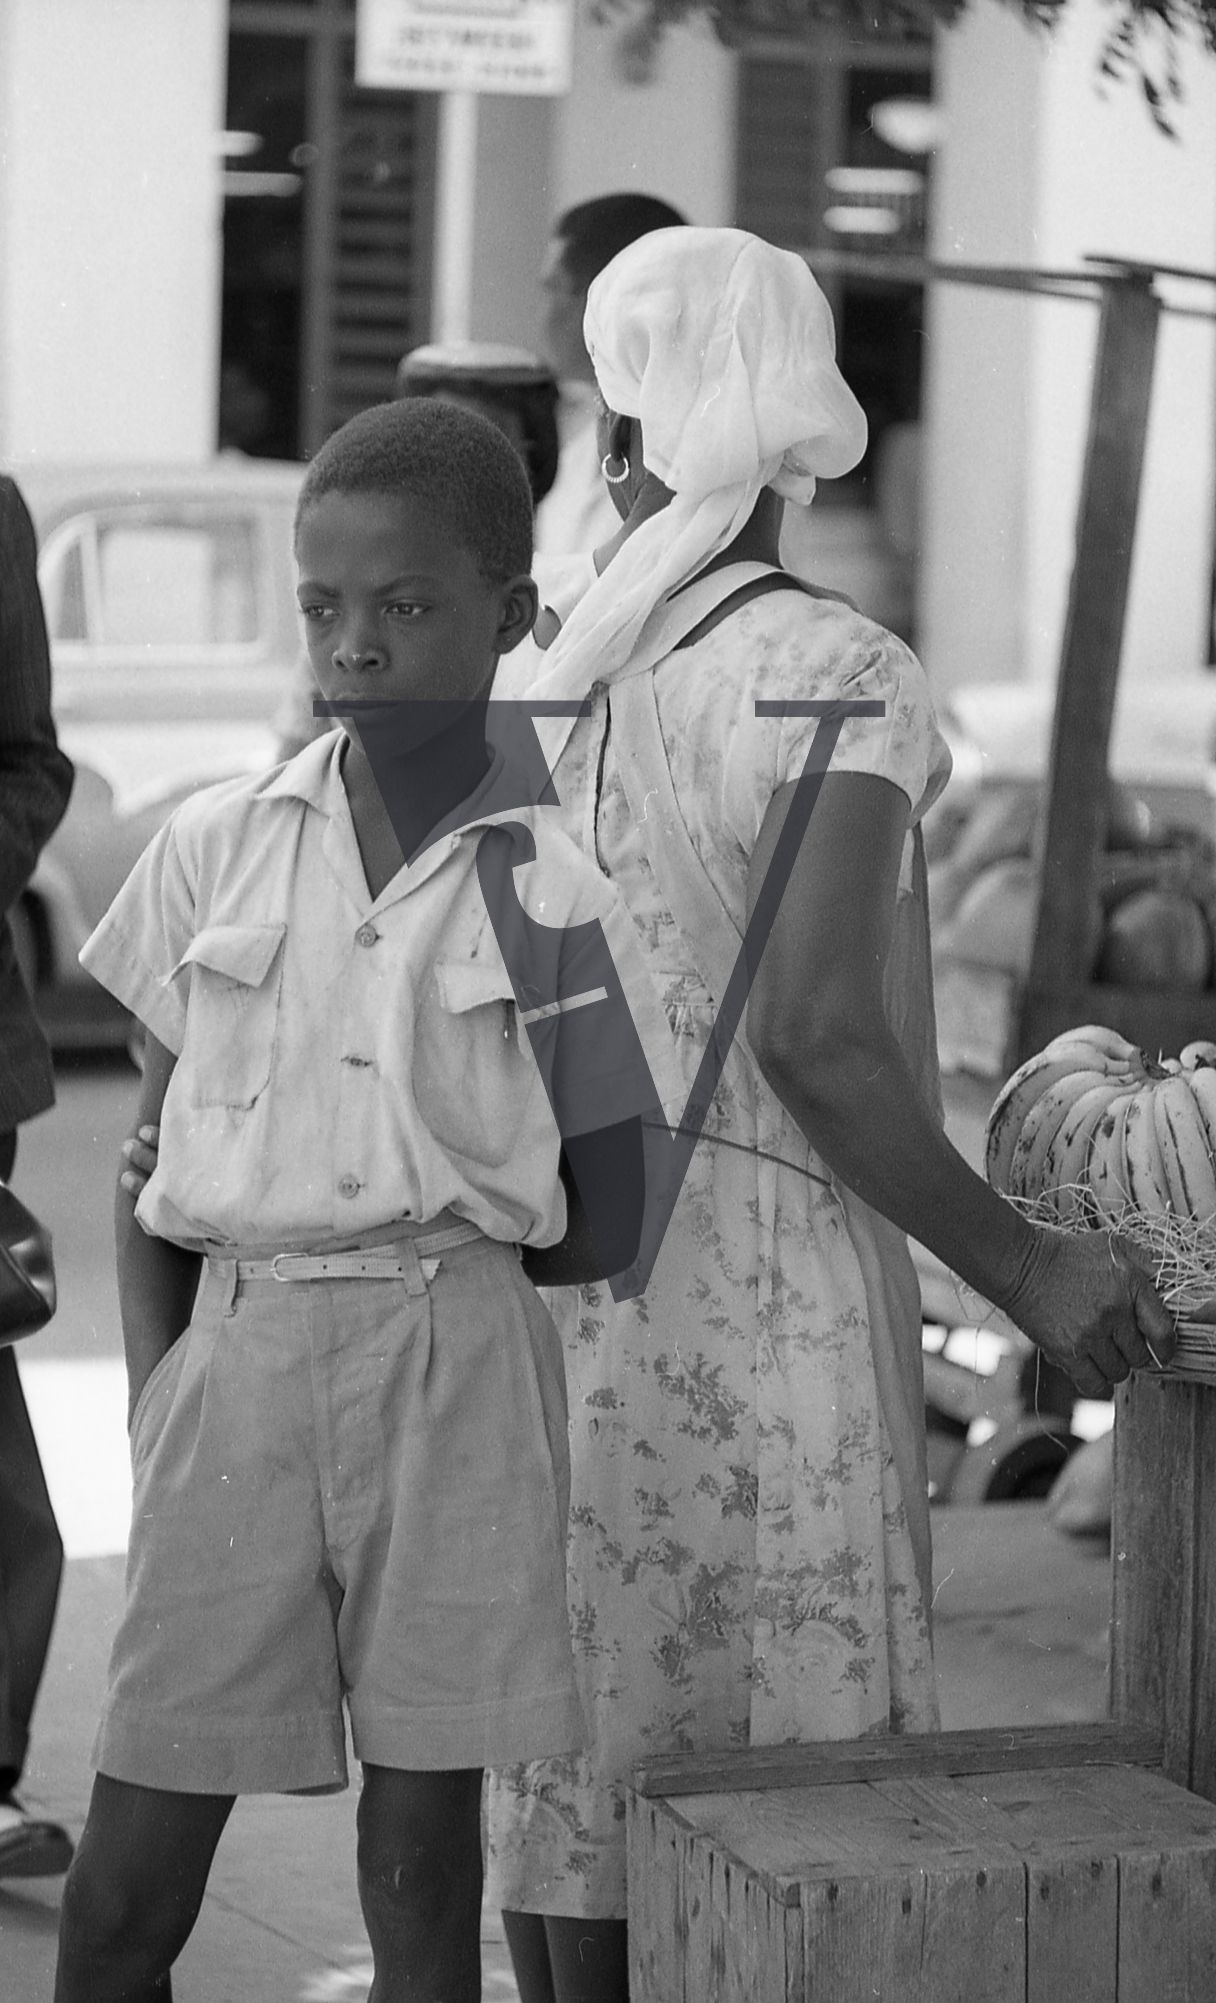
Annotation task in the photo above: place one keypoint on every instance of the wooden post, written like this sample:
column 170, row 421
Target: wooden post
column 1163, row 1631
column 455, row 216
column 1089, row 666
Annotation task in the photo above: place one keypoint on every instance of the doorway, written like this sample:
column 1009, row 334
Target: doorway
column 328, row 214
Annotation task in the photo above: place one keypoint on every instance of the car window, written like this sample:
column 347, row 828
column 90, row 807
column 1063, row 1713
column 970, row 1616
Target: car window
column 63, row 593
column 175, row 583
column 183, row 576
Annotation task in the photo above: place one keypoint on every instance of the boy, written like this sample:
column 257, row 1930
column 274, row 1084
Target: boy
column 349, row 1450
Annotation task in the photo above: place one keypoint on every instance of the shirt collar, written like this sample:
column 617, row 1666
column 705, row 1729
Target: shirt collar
column 314, row 776
column 310, row 776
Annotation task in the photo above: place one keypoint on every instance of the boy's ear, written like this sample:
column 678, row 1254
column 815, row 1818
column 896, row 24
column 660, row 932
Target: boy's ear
column 520, row 606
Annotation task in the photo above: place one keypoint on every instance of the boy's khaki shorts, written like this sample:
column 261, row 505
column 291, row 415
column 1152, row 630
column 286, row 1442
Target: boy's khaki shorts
column 347, row 1489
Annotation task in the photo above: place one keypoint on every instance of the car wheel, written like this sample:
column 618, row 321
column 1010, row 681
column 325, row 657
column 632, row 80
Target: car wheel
column 1018, row 1464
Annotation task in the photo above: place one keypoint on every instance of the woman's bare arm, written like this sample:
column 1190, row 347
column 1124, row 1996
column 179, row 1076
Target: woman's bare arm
column 818, row 1029
column 157, row 1281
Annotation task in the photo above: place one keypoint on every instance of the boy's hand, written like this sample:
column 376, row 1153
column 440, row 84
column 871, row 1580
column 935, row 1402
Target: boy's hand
column 140, row 1155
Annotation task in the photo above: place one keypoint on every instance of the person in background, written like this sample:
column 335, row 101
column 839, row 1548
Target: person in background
column 510, row 386
column 578, row 514
column 35, row 781
column 518, row 394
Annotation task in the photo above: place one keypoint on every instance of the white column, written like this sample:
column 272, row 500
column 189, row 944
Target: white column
column 109, row 227
column 1039, row 166
column 455, row 216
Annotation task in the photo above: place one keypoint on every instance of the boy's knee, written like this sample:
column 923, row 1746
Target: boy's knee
column 102, row 1912
column 411, row 1882
column 115, row 1915
column 419, row 1847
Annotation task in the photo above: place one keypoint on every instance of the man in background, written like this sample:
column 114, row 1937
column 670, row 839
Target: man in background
column 35, row 781
column 578, row 514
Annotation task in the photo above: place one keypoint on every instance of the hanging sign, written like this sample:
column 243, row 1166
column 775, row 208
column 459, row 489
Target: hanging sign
column 520, row 48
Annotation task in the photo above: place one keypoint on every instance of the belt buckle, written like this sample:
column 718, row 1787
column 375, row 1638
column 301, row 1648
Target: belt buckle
column 277, row 1261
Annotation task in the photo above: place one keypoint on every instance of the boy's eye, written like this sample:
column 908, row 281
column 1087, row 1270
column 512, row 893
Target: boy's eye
column 315, row 613
column 406, row 608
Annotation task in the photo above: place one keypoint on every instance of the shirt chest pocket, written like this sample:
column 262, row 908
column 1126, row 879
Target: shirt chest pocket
column 236, row 973
column 475, row 1078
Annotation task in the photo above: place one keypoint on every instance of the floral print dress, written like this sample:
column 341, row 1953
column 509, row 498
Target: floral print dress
column 748, row 1550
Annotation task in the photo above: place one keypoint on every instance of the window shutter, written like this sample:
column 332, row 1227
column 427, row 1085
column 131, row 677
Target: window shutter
column 378, row 299
column 789, row 135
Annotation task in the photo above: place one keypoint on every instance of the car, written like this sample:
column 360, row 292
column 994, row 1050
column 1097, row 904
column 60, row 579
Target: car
column 170, row 603
column 999, row 1423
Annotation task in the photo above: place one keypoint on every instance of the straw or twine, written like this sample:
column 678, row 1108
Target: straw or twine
column 1182, row 1250
column 1182, row 1253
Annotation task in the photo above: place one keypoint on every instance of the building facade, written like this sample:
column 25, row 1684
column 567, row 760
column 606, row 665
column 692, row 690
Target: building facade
column 211, row 236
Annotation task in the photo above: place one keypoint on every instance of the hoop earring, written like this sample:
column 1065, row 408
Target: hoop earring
column 614, row 479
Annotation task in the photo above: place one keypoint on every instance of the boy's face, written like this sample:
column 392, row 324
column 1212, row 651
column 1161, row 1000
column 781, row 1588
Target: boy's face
column 393, row 606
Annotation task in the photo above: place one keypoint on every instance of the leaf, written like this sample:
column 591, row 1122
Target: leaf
column 1141, row 43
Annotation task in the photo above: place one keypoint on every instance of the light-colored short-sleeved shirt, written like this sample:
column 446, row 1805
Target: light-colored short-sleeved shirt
column 347, row 1061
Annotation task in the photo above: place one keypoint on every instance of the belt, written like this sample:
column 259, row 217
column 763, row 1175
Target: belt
column 398, row 1261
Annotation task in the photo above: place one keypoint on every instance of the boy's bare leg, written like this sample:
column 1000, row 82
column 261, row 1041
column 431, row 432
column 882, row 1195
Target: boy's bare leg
column 134, row 1890
column 568, row 1960
column 420, row 1883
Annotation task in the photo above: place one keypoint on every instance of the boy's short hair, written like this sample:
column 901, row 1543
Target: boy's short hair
column 459, row 463
column 592, row 233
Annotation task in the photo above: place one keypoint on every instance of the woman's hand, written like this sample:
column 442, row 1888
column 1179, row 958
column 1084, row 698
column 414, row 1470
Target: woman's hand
column 140, row 1153
column 1089, row 1302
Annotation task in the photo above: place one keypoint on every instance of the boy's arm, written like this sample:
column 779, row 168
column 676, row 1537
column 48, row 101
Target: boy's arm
column 157, row 1281
column 609, row 1160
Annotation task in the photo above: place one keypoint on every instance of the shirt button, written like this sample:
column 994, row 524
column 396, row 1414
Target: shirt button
column 348, row 1185
column 367, row 935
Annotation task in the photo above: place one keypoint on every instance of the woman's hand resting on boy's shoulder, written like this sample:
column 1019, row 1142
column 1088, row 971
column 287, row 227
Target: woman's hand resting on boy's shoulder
column 140, row 1155
column 1088, row 1300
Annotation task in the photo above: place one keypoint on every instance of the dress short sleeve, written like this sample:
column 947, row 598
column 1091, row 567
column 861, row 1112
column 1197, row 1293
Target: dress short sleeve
column 137, row 949
column 805, row 649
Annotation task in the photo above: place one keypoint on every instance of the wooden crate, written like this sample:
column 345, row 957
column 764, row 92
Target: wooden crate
column 1024, row 1866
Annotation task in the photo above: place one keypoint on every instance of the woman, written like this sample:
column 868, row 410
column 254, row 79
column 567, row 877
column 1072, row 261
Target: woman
column 749, row 1549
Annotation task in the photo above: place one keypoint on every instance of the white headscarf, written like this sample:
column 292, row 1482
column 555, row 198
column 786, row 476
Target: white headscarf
column 723, row 348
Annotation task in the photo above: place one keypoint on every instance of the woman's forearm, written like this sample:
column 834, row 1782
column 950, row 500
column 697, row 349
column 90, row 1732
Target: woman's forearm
column 854, row 1099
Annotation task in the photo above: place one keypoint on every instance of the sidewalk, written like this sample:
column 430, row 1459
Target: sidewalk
column 1021, row 1638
